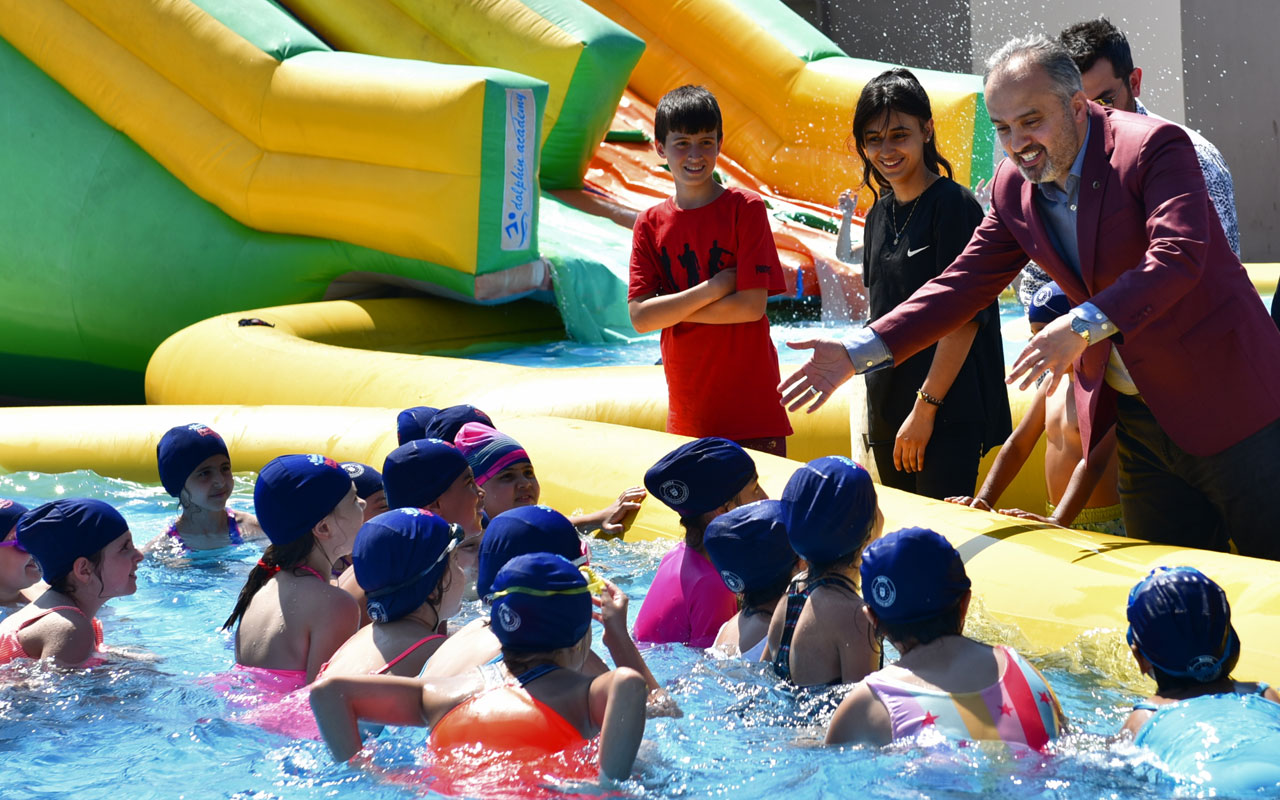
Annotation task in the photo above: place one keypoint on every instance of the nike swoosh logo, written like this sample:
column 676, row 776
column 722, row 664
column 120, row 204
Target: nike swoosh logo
column 911, row 253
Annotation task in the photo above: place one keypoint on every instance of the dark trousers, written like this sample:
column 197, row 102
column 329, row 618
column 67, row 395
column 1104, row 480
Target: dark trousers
column 1172, row 497
column 950, row 463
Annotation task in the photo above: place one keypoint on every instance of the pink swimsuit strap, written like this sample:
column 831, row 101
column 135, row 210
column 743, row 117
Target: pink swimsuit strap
column 11, row 646
column 412, row 647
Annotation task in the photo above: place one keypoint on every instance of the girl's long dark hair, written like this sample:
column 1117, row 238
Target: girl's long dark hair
column 274, row 559
column 893, row 90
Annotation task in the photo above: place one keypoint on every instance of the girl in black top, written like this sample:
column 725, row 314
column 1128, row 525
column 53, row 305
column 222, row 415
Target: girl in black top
column 933, row 416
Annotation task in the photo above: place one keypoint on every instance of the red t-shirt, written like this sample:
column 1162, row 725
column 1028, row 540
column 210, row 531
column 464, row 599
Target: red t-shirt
column 722, row 380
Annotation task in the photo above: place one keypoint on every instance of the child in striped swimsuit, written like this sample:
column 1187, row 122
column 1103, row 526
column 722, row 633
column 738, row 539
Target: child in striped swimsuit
column 944, row 685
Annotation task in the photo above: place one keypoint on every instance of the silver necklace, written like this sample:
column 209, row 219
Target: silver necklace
column 893, row 212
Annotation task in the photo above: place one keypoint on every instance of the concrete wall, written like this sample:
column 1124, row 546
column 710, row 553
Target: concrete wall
column 1213, row 65
column 1232, row 71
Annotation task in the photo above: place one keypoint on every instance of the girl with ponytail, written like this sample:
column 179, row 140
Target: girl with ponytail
column 290, row 618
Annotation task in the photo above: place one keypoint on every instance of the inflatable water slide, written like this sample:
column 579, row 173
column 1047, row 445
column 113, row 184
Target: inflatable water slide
column 173, row 160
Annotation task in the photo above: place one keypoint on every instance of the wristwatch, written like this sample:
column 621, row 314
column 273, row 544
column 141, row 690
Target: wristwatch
column 1080, row 326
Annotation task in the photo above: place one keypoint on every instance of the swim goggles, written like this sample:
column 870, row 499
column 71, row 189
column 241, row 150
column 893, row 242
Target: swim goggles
column 15, row 544
column 457, row 534
column 595, row 585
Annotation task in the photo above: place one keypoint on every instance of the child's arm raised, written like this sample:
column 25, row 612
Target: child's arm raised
column 613, row 617
column 617, row 705
column 655, row 311
column 1013, row 454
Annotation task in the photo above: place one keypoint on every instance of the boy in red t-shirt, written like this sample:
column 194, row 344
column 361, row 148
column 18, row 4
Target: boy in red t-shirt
column 703, row 265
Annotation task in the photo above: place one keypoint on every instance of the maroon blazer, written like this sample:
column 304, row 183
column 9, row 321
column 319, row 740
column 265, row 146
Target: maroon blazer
column 1194, row 334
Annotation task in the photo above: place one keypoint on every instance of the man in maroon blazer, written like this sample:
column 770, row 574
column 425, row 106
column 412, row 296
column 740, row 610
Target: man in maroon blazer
column 1168, row 337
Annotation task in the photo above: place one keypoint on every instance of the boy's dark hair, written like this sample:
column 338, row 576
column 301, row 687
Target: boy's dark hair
column 894, row 90
column 687, row 109
column 1098, row 38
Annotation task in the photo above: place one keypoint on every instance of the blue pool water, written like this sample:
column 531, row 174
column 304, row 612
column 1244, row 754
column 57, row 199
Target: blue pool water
column 147, row 728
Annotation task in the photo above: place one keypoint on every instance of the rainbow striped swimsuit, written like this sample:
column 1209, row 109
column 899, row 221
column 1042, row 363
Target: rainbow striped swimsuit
column 1019, row 708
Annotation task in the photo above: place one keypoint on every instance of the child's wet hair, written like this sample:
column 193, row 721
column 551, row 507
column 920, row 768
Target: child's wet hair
column 893, row 90
column 275, row 558
column 687, row 109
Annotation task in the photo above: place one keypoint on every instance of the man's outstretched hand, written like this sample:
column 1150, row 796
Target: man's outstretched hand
column 828, row 368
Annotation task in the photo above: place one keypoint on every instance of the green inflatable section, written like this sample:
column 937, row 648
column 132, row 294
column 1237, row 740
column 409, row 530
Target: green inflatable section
column 609, row 53
column 588, row 255
column 105, row 253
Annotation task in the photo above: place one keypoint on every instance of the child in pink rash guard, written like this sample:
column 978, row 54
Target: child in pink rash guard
column 688, row 601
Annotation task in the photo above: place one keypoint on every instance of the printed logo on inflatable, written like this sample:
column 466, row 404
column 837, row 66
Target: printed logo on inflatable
column 674, row 492
column 203, row 430
column 883, row 590
column 734, row 583
column 508, row 619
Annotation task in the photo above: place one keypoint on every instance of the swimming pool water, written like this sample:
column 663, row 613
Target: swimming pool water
column 788, row 322
column 147, row 728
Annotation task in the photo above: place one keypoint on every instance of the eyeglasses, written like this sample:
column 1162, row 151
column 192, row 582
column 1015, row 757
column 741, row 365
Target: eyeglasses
column 457, row 534
column 15, row 544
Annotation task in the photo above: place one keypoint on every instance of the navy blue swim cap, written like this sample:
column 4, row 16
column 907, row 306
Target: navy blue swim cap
column 294, row 492
column 184, row 448
column 700, row 476
column 912, row 575
column 412, row 423
column 831, row 509
column 399, row 558
column 416, row 473
column 10, row 512
column 521, row 531
column 368, row 480
column 58, row 533
column 749, row 547
column 1180, row 621
column 540, row 602
column 448, row 421
column 1048, row 303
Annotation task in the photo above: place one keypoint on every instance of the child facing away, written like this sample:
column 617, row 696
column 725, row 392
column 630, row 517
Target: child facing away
column 1083, row 490
column 536, row 701
column 819, row 636
column 86, row 555
column 502, row 468
column 195, row 467
column 1204, row 727
column 943, row 684
column 699, row 480
column 749, row 547
column 405, row 560
column 288, row 618
column 523, row 531
column 703, row 265
column 19, row 572
column 369, row 488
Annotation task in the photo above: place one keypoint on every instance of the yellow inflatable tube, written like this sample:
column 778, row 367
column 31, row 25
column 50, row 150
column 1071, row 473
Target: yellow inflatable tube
column 1064, row 591
column 787, row 119
column 317, row 353
column 308, row 357
column 387, row 154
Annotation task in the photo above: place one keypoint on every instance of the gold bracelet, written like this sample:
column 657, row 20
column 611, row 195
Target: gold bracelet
column 928, row 398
